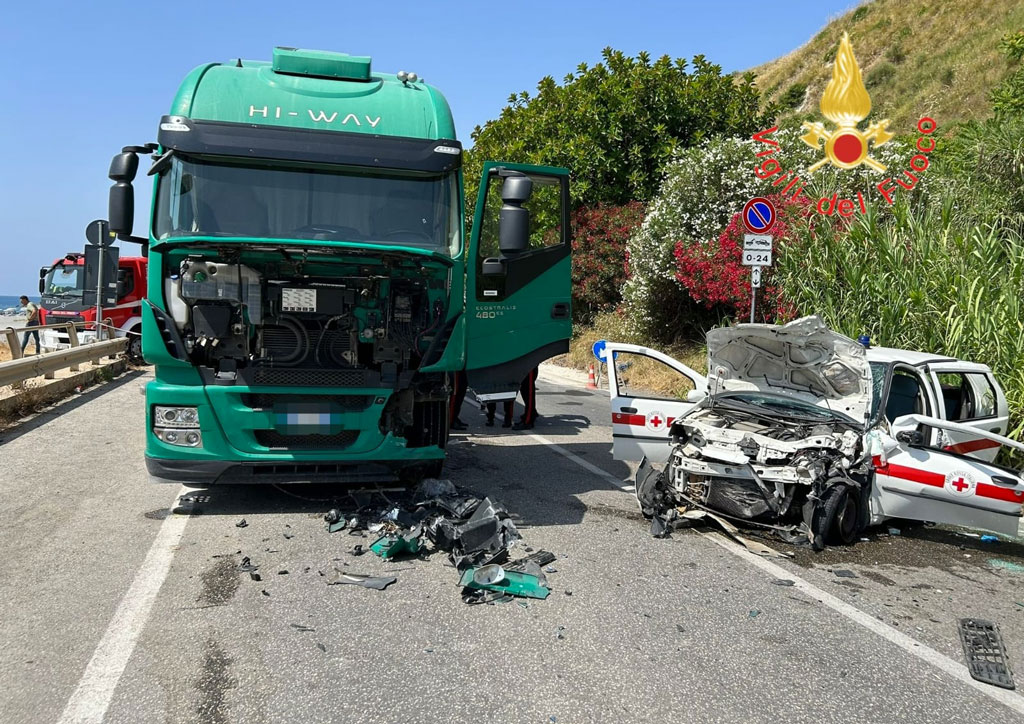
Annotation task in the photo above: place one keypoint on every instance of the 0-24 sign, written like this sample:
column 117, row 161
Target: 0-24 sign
column 757, row 250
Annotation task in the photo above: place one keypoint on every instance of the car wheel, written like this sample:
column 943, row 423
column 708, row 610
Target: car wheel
column 842, row 515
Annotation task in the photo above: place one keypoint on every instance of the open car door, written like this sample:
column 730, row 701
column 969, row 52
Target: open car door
column 518, row 286
column 920, row 480
column 648, row 390
column 971, row 396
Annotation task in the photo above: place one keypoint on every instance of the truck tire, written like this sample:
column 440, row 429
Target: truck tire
column 135, row 345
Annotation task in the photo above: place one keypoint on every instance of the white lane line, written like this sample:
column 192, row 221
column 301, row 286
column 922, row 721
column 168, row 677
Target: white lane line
column 925, row 653
column 89, row 702
column 620, row 484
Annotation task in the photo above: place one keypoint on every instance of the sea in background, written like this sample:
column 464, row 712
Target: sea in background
column 9, row 302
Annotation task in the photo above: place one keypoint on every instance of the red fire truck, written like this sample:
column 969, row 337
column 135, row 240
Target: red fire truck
column 62, row 288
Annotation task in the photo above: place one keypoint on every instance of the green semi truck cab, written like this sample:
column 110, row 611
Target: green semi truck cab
column 312, row 289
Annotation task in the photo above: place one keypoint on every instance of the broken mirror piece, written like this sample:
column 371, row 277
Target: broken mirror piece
column 378, row 583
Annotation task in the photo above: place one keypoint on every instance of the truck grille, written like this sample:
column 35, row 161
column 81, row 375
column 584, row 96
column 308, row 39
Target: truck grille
column 277, row 440
column 292, row 377
column 345, row 402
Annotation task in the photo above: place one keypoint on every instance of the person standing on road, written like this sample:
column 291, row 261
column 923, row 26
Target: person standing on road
column 455, row 403
column 509, row 410
column 33, row 321
column 528, row 389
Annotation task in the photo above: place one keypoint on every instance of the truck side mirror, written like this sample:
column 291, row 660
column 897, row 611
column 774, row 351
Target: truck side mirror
column 513, row 219
column 121, row 204
column 43, row 271
column 122, row 282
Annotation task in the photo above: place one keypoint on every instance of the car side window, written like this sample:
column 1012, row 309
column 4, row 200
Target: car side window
column 967, row 396
column 983, row 393
column 641, row 376
column 907, row 395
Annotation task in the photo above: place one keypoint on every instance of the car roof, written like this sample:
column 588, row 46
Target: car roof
column 889, row 355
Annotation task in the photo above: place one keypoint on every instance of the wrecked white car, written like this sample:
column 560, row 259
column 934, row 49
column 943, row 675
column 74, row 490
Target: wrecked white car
column 805, row 432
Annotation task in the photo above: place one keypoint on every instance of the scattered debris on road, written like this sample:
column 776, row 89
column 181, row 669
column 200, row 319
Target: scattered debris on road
column 475, row 531
column 242, row 523
column 378, row 583
column 985, row 652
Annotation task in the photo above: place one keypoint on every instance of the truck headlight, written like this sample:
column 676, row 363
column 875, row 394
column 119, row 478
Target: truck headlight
column 179, row 437
column 181, row 417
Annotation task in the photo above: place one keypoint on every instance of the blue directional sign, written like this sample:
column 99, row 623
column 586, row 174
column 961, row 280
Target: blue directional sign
column 758, row 215
column 598, row 348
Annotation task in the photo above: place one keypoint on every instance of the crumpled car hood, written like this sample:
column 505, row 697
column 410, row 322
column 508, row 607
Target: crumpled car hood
column 803, row 359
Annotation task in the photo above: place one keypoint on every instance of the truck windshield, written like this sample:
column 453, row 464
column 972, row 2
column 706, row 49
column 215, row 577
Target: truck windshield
column 225, row 198
column 64, row 281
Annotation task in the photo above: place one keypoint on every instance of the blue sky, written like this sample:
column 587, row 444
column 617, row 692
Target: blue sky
column 83, row 79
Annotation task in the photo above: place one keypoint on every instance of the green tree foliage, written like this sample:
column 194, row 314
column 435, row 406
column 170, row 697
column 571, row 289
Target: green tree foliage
column 614, row 125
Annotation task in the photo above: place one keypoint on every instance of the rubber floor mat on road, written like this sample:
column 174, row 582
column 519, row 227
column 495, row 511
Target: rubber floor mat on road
column 986, row 655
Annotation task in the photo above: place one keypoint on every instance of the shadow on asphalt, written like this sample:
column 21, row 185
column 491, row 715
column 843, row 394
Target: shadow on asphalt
column 532, row 497
column 52, row 412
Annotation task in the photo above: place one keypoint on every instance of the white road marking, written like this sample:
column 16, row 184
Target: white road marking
column 620, row 484
column 96, row 688
column 925, row 653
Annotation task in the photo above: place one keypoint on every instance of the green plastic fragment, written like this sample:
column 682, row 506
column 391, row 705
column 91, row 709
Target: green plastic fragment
column 514, row 583
column 390, row 546
column 1006, row 565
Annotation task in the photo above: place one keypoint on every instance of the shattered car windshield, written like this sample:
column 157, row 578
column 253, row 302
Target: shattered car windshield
column 784, row 406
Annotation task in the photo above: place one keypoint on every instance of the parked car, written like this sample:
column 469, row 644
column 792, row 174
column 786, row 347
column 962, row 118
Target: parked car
column 806, row 432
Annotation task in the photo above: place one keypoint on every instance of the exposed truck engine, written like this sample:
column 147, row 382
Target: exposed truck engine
column 313, row 290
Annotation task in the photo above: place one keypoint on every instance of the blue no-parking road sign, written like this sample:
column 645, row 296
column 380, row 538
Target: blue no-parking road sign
column 758, row 215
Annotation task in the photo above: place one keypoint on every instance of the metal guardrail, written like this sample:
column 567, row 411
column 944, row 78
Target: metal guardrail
column 20, row 368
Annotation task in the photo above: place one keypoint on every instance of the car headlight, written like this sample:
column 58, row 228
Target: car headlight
column 181, row 417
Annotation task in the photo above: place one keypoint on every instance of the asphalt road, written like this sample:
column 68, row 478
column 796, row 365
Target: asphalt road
column 114, row 608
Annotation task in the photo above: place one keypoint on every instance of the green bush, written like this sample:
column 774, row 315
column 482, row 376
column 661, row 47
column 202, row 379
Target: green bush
column 793, row 98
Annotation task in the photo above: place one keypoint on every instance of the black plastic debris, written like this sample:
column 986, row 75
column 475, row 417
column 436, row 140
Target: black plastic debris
column 358, row 550
column 247, row 565
column 783, row 582
column 378, row 583
column 844, row 573
column 301, row 628
column 985, row 652
column 253, row 575
column 241, row 524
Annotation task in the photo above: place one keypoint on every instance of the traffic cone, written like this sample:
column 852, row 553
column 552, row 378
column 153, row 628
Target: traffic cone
column 591, row 382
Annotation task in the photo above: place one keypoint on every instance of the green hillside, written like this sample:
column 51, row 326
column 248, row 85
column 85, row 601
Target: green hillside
column 918, row 57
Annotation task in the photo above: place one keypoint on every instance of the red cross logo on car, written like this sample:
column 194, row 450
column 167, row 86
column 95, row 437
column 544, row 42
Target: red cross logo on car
column 960, row 483
column 655, row 420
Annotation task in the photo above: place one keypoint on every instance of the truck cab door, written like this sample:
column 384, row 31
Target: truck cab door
column 518, row 310
column 648, row 390
column 920, row 482
column 971, row 396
